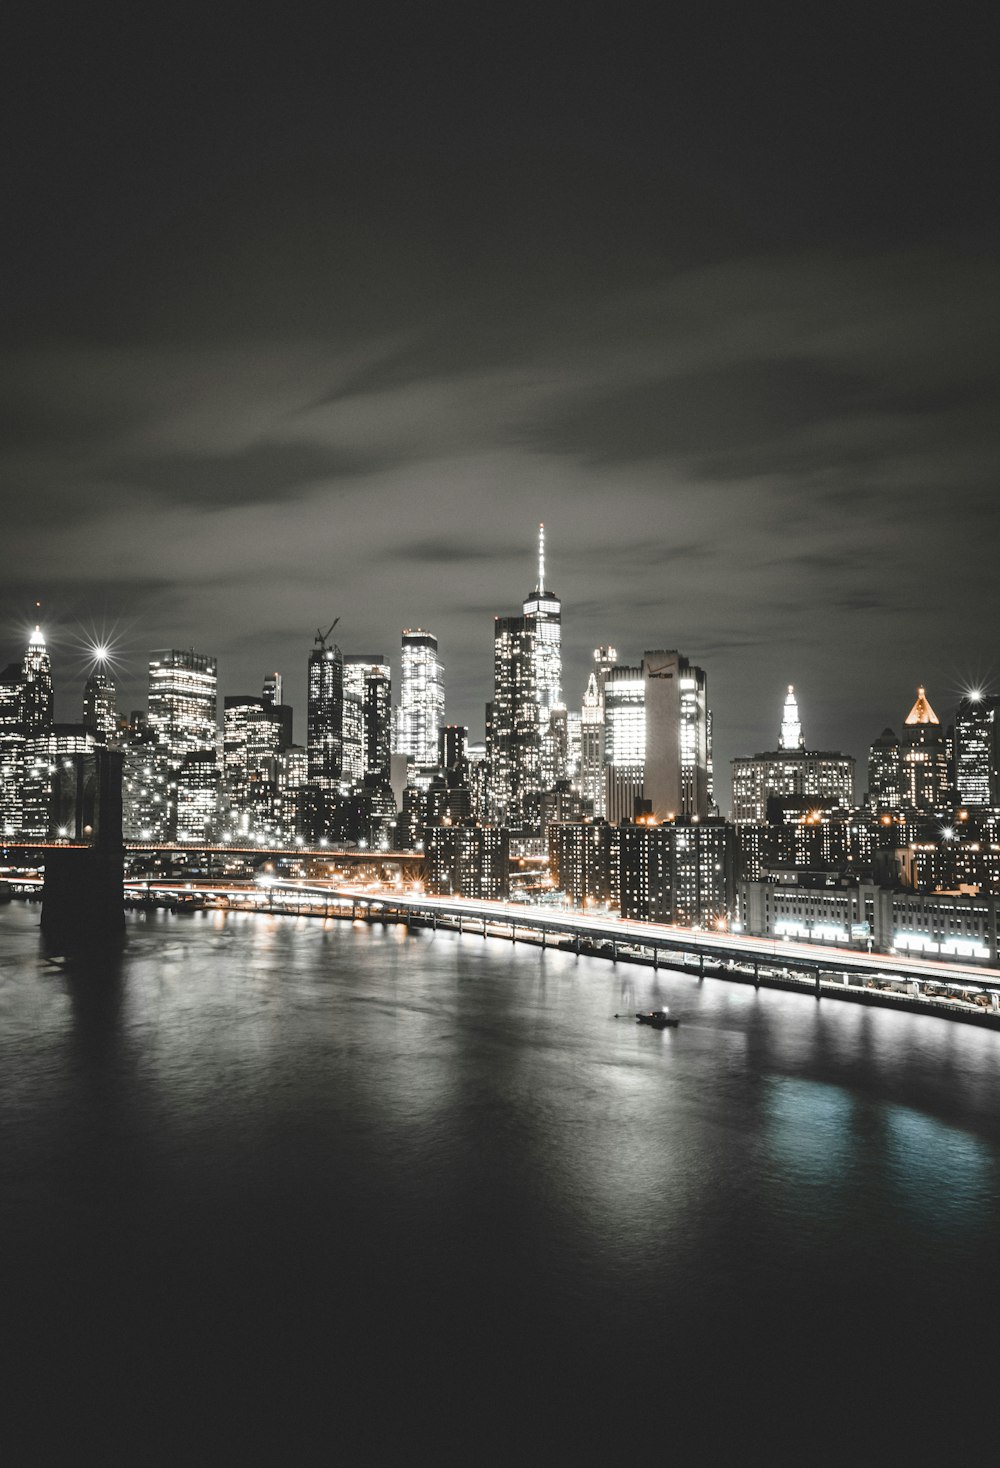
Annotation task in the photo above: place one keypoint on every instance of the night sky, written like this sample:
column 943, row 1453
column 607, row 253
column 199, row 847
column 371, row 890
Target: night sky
column 322, row 321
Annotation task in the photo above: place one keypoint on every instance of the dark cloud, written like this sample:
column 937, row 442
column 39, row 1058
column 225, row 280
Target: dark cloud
column 718, row 410
column 262, row 471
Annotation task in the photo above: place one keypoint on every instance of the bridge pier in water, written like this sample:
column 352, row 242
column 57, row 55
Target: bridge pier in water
column 83, row 895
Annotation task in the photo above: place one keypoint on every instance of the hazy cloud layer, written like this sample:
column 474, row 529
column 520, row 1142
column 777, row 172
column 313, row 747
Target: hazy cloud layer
column 341, row 356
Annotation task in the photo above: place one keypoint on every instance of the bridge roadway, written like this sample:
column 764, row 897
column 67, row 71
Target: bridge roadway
column 779, row 963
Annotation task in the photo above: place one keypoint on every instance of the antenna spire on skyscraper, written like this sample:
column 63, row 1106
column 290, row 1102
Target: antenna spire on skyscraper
column 541, row 557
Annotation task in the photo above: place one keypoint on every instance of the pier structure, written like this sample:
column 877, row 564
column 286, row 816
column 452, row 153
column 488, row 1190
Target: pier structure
column 83, row 892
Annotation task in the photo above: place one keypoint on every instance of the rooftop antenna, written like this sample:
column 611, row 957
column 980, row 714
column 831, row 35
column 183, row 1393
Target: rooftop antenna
column 541, row 557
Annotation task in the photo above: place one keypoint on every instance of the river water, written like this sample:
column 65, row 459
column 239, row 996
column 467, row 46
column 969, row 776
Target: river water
column 282, row 1190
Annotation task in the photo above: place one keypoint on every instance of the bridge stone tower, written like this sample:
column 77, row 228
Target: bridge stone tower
column 82, row 898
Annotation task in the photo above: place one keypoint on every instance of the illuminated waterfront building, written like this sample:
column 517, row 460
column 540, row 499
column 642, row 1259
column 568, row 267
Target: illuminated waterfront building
column 790, row 770
column 677, row 872
column 100, row 709
column 421, row 697
column 583, row 862
column 468, row 861
column 325, row 714
column 865, row 916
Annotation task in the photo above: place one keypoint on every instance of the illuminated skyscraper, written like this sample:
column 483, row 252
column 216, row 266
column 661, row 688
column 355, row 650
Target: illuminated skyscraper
column 791, row 729
column 100, row 709
column 512, row 726
column 592, row 785
column 976, row 750
column 790, row 770
column 656, row 739
column 925, row 779
column 325, row 714
column 624, row 741
column 36, row 692
column 543, row 616
column 182, row 714
column 11, row 751
column 527, row 750
column 421, row 698
column 36, row 725
column 676, row 775
column 883, row 772
column 367, row 716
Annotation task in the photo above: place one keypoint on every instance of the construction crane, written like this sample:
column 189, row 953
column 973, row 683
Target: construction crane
column 322, row 636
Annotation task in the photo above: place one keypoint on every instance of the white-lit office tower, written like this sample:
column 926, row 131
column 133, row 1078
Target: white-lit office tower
column 100, row 708
column 252, row 744
column 367, row 676
column 421, row 698
column 676, row 778
column 325, row 714
column 145, row 784
column 543, row 614
column 513, row 746
column 11, row 751
column 624, row 741
column 976, row 750
column 183, row 689
column 36, row 723
column 656, row 739
column 591, row 782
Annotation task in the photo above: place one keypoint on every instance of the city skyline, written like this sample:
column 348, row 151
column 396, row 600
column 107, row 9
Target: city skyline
column 101, row 654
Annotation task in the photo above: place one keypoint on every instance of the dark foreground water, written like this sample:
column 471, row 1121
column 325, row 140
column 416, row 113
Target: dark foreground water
column 280, row 1191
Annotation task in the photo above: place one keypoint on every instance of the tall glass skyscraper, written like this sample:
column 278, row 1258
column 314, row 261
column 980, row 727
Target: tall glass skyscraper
column 100, row 708
column 325, row 714
column 525, row 751
column 421, row 698
column 183, row 694
column 367, row 683
column 976, row 750
column 36, row 693
column 543, row 616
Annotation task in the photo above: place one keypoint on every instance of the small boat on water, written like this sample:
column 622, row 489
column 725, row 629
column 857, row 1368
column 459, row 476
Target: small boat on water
column 660, row 1019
